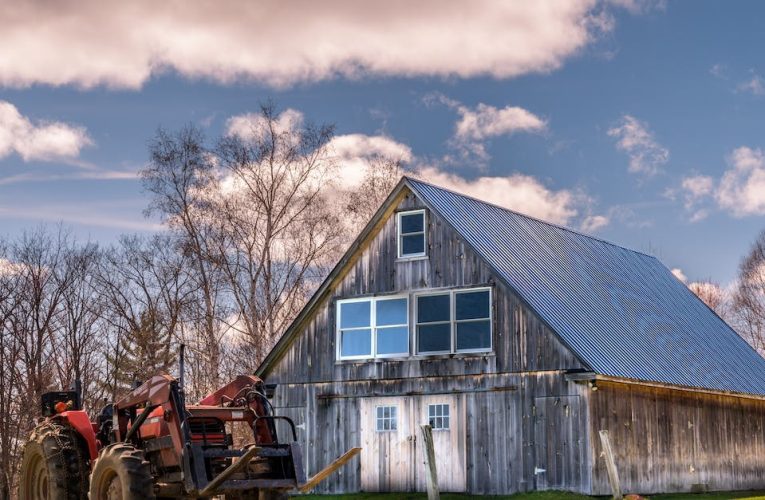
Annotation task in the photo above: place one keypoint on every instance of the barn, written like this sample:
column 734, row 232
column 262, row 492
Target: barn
column 519, row 341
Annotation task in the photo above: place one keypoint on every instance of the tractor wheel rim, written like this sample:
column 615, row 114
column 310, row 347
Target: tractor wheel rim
column 108, row 487
column 37, row 484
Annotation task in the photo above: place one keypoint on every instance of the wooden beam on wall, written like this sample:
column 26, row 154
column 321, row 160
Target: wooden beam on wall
column 613, row 474
column 429, row 456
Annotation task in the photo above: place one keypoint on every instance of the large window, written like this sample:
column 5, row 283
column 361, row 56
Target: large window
column 411, row 234
column 455, row 321
column 373, row 327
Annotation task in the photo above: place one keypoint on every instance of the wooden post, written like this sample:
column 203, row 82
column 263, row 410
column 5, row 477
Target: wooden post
column 613, row 474
column 429, row 454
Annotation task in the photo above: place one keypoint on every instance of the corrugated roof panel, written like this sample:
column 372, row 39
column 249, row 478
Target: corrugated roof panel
column 621, row 311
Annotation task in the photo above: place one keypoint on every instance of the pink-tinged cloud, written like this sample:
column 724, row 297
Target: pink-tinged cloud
column 38, row 141
column 122, row 44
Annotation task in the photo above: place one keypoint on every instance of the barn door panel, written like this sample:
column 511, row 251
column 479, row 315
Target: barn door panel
column 446, row 414
column 388, row 454
column 558, row 443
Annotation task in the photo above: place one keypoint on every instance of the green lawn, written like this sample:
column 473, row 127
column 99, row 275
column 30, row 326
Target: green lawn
column 547, row 495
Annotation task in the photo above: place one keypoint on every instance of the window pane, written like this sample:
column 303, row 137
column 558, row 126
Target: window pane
column 431, row 338
column 393, row 340
column 432, row 308
column 414, row 244
column 356, row 343
column 391, row 312
column 472, row 305
column 473, row 335
column 412, row 223
column 354, row 314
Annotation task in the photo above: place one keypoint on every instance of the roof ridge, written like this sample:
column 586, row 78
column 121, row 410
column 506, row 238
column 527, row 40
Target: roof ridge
column 531, row 217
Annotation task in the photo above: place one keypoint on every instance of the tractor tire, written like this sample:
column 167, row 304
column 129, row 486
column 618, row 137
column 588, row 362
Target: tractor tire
column 54, row 465
column 121, row 473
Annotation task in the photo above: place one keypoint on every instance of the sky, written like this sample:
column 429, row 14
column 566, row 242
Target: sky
column 639, row 122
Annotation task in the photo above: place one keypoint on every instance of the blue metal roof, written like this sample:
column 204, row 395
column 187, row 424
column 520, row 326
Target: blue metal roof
column 621, row 311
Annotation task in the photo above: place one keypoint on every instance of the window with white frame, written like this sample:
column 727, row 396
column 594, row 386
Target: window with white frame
column 386, row 418
column 411, row 234
column 373, row 327
column 438, row 416
column 454, row 321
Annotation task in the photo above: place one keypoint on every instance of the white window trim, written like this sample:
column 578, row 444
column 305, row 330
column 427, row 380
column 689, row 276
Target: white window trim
column 399, row 236
column 453, row 321
column 372, row 326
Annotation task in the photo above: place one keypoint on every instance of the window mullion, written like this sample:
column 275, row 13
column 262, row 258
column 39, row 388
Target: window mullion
column 373, row 326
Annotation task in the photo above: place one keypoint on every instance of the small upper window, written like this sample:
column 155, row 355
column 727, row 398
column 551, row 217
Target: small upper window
column 386, row 418
column 411, row 234
column 438, row 416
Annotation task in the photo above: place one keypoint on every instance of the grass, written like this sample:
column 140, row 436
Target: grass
column 542, row 495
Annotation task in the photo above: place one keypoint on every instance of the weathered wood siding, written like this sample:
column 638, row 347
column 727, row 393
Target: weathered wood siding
column 501, row 436
column 668, row 440
column 500, row 389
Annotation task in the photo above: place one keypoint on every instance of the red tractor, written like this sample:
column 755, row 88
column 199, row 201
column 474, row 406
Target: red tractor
column 150, row 444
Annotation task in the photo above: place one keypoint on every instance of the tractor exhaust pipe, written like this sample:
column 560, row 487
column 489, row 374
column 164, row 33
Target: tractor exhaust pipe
column 181, row 365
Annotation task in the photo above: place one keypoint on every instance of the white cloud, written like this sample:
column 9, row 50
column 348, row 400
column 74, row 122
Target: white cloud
column 646, row 155
column 252, row 125
column 486, row 121
column 679, row 274
column 476, row 125
column 740, row 191
column 742, row 187
column 41, row 141
column 640, row 6
column 123, row 44
column 355, row 155
column 518, row 192
column 754, row 85
column 592, row 223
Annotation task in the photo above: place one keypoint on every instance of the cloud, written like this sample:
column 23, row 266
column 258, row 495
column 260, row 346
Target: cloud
column 477, row 125
column 519, row 192
column 740, row 191
column 252, row 126
column 592, row 223
column 742, row 187
column 40, row 141
column 679, row 274
column 640, row 6
column 356, row 154
column 90, row 215
column 97, row 175
column 754, row 85
column 123, row 44
column 635, row 138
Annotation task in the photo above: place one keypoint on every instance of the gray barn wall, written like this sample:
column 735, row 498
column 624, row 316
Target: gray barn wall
column 670, row 440
column 502, row 390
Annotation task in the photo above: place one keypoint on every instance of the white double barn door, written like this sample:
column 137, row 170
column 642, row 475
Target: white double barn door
column 391, row 459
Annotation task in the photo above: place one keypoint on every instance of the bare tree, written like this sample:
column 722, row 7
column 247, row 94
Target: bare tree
column 278, row 232
column 379, row 180
column 714, row 296
column 749, row 297
column 179, row 177
column 144, row 285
